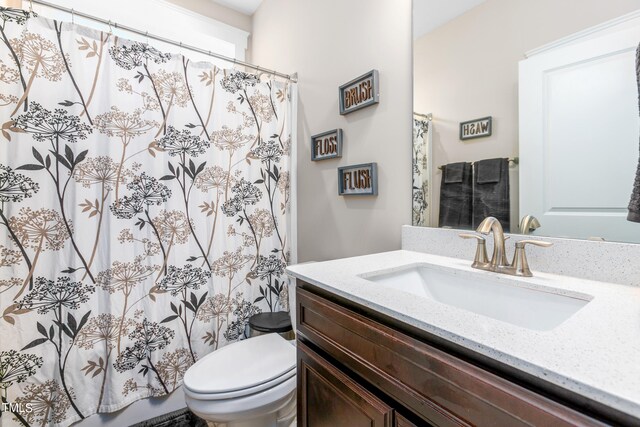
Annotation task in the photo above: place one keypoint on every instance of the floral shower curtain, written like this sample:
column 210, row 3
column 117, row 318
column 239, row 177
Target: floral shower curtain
column 421, row 170
column 143, row 216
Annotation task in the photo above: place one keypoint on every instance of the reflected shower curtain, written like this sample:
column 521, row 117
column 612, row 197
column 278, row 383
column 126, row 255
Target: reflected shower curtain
column 144, row 204
column 421, row 173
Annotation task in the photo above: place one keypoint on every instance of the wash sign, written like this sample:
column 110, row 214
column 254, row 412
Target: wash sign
column 475, row 128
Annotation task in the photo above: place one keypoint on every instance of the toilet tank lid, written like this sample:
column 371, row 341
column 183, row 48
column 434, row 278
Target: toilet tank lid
column 242, row 365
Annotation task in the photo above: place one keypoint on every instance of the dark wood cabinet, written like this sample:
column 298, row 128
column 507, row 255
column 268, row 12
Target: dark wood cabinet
column 381, row 375
column 333, row 399
column 403, row 422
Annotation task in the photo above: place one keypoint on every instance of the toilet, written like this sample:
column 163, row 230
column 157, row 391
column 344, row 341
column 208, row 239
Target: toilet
column 250, row 383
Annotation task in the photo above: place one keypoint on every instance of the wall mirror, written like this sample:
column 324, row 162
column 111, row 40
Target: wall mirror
column 558, row 79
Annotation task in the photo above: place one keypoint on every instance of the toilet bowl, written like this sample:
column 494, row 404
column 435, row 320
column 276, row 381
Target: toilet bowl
column 251, row 383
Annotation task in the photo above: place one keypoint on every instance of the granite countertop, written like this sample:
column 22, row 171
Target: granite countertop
column 595, row 353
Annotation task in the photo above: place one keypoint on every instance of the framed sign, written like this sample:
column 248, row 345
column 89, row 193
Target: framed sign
column 359, row 92
column 475, row 128
column 358, row 180
column 326, row 145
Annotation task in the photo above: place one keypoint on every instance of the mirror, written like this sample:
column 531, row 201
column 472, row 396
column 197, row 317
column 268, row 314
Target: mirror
column 562, row 100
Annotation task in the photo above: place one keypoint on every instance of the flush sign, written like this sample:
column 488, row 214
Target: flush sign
column 358, row 180
column 327, row 145
column 359, row 92
column 475, row 128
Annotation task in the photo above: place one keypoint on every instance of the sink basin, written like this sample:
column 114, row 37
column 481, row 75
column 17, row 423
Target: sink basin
column 502, row 298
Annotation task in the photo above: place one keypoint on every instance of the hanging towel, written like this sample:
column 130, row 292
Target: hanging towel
column 491, row 191
column 634, row 204
column 455, row 196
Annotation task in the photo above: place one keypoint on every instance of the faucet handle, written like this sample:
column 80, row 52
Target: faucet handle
column 472, row 236
column 520, row 264
column 481, row 257
column 521, row 243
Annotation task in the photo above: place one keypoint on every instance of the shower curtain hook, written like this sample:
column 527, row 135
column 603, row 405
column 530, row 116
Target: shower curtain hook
column 110, row 27
column 146, row 34
column 73, row 16
column 30, row 6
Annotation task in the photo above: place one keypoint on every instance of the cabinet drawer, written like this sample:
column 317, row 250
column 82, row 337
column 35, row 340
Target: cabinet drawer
column 435, row 385
column 328, row 398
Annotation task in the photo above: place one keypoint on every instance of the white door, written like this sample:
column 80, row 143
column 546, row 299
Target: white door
column 579, row 131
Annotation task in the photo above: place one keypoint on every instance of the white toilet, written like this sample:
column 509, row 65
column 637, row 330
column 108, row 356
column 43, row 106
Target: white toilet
column 251, row 383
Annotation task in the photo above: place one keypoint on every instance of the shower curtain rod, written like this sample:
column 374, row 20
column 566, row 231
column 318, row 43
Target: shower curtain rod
column 426, row 116
column 73, row 12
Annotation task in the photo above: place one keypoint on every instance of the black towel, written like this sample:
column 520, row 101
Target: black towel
column 455, row 196
column 634, row 204
column 491, row 191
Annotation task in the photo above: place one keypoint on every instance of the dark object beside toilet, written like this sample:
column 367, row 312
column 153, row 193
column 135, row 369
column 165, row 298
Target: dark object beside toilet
column 276, row 322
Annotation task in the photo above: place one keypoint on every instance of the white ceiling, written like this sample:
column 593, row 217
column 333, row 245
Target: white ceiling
column 427, row 14
column 243, row 6
column 431, row 14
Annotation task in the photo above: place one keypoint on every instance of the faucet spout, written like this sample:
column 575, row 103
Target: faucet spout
column 493, row 226
column 528, row 223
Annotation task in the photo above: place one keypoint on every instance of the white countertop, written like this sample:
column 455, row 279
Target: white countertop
column 595, row 353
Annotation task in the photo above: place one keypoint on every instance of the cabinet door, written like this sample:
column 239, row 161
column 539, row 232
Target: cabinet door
column 328, row 398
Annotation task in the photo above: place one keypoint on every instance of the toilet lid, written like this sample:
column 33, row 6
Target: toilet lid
column 242, row 365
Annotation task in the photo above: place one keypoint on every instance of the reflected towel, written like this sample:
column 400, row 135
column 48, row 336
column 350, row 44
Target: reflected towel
column 491, row 191
column 634, row 204
column 455, row 196
column 454, row 173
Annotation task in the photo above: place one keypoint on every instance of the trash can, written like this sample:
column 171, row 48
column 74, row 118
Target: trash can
column 266, row 323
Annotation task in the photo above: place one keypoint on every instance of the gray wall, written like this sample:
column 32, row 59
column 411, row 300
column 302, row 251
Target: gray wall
column 328, row 43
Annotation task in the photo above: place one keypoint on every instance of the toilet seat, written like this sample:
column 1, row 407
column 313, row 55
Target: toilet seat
column 266, row 402
column 242, row 369
column 241, row 393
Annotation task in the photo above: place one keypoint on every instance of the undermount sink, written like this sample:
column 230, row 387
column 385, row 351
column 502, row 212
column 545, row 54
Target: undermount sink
column 510, row 300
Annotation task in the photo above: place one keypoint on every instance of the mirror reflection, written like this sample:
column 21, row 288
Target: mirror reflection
column 526, row 111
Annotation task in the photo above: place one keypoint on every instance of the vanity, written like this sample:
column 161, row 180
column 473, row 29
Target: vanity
column 409, row 337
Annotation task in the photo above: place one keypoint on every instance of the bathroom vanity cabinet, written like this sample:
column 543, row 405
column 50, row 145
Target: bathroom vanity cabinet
column 357, row 367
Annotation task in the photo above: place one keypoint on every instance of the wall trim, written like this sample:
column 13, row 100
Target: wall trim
column 584, row 33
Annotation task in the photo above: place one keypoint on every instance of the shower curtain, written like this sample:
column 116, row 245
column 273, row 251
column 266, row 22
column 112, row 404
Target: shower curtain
column 421, row 170
column 144, row 208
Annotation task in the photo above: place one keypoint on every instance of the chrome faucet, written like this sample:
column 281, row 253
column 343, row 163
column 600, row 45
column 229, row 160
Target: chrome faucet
column 498, row 262
column 499, row 257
